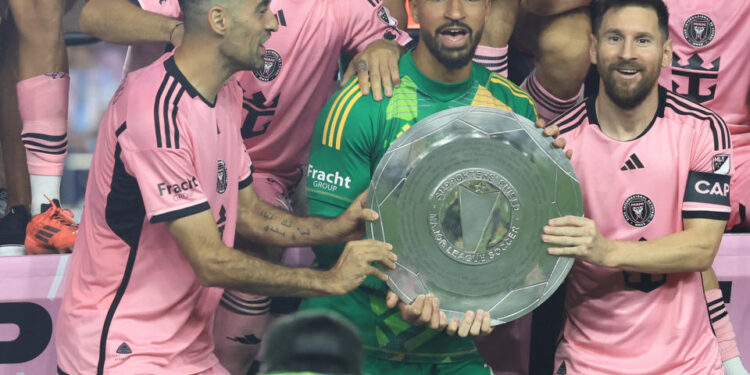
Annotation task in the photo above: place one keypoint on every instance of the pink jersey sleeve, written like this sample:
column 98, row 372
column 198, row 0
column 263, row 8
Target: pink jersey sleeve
column 707, row 189
column 158, row 152
column 169, row 8
column 366, row 22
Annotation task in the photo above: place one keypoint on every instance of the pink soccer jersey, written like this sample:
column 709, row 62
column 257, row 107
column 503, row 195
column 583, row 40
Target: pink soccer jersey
column 710, row 59
column 132, row 302
column 300, row 75
column 679, row 168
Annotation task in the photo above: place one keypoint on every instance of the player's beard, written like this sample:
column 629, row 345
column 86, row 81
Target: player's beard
column 447, row 56
column 627, row 98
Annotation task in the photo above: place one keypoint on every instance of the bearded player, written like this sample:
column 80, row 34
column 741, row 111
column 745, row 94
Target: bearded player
column 351, row 135
column 634, row 298
column 281, row 100
column 170, row 184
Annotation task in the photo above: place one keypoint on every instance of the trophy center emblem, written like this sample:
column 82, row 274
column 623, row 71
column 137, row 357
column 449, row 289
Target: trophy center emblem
column 474, row 216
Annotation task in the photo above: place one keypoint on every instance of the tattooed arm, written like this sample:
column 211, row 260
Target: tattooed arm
column 258, row 221
column 216, row 264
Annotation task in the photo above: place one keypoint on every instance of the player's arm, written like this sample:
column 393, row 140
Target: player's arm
column 552, row 7
column 705, row 210
column 215, row 264
column 122, row 22
column 261, row 222
column 692, row 249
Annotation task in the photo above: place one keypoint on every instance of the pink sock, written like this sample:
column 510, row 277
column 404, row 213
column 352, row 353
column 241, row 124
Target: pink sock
column 722, row 325
column 239, row 324
column 43, row 103
column 547, row 105
column 492, row 58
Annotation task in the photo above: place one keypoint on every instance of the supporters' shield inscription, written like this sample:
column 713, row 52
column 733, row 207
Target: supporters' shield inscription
column 463, row 196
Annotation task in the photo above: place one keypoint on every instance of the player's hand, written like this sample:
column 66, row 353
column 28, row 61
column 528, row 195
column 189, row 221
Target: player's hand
column 554, row 132
column 376, row 68
column 424, row 311
column 579, row 237
column 474, row 323
column 354, row 264
column 350, row 225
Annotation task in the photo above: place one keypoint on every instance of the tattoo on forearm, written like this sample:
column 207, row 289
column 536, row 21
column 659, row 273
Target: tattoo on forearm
column 269, row 228
column 267, row 215
column 286, row 223
column 362, row 66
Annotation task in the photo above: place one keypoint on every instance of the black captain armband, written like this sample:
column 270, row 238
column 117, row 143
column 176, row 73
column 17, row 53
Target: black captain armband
column 707, row 188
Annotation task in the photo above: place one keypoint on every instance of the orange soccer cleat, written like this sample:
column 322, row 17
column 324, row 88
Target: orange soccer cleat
column 51, row 232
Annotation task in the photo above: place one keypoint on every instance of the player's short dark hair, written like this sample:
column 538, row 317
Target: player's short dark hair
column 313, row 341
column 600, row 7
column 193, row 11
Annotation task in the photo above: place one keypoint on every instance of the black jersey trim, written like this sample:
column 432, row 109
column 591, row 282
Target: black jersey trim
column 175, row 72
column 124, row 214
column 718, row 126
column 45, row 137
column 247, row 181
column 713, row 215
column 718, row 317
column 121, row 129
column 716, row 301
column 60, row 371
column 159, row 93
column 573, row 117
column 662, row 98
column 165, row 114
column 551, row 104
column 176, row 214
column 59, row 152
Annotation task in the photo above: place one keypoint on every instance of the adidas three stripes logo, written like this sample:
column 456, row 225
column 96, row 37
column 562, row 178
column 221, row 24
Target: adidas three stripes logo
column 632, row 163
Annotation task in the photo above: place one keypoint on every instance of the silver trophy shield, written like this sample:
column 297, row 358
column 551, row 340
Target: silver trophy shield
column 463, row 196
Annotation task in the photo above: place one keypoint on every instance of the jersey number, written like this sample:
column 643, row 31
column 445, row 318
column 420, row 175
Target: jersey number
column 256, row 111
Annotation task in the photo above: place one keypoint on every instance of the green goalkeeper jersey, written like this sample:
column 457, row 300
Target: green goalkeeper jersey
column 351, row 135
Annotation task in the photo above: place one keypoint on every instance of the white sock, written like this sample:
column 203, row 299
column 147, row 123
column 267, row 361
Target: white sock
column 41, row 186
column 734, row 367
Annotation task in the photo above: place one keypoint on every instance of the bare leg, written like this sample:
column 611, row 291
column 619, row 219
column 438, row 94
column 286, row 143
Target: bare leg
column 14, row 157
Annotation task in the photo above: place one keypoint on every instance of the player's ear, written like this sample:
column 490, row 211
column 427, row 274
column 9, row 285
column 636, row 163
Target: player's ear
column 593, row 46
column 218, row 19
column 666, row 58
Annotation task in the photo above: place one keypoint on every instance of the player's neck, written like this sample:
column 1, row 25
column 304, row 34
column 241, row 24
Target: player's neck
column 625, row 124
column 201, row 64
column 436, row 71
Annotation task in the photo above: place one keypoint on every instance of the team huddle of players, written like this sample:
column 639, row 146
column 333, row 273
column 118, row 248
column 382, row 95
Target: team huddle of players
column 175, row 281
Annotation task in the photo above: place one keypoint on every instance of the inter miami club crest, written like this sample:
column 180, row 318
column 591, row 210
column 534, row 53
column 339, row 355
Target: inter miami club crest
column 638, row 210
column 699, row 30
column 221, row 178
column 271, row 66
column 721, row 163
